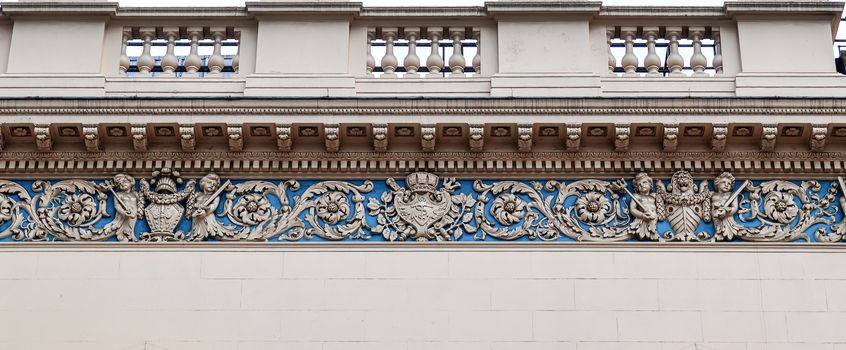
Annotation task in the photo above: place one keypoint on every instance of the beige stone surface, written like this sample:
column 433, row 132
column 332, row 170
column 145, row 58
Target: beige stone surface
column 581, row 297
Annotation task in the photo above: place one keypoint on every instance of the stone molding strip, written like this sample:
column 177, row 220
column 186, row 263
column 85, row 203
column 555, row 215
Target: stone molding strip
column 347, row 165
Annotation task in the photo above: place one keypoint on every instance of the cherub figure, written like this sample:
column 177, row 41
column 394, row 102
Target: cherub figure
column 643, row 208
column 201, row 211
column 129, row 206
column 724, row 206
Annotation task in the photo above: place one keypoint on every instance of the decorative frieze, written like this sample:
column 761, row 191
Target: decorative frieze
column 423, row 207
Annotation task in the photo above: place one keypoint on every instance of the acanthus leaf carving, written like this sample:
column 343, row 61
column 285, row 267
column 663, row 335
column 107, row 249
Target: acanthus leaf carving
column 423, row 207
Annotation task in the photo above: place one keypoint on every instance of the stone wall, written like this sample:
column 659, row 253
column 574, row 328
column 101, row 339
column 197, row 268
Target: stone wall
column 439, row 296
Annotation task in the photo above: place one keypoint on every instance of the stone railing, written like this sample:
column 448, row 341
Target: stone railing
column 422, row 52
column 175, row 51
column 340, row 48
column 664, row 51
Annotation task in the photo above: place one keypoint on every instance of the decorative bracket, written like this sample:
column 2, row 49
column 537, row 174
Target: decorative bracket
column 91, row 136
column 477, row 137
column 139, row 138
column 380, row 137
column 574, row 137
column 236, row 137
column 818, row 137
column 43, row 138
column 333, row 142
column 768, row 137
column 427, row 137
column 671, row 137
column 524, row 137
column 719, row 136
column 187, row 137
column 621, row 137
column 283, row 137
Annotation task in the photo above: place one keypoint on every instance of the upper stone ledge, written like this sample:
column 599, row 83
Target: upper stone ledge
column 542, row 7
column 785, row 7
column 195, row 12
column 662, row 11
column 60, row 7
column 395, row 11
column 304, row 7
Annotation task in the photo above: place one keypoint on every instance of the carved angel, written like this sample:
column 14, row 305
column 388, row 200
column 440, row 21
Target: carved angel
column 724, row 205
column 201, row 211
column 643, row 208
column 129, row 207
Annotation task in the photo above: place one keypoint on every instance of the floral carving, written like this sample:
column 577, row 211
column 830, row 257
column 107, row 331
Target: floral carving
column 593, row 208
column 332, row 207
column 781, row 207
column 508, row 209
column 76, row 209
column 252, row 209
column 423, row 208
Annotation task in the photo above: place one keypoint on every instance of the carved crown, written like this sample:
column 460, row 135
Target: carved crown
column 422, row 182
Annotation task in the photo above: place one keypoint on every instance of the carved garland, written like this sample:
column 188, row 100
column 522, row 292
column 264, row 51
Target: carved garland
column 423, row 208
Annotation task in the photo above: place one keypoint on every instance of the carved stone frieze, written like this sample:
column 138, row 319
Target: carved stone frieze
column 423, row 207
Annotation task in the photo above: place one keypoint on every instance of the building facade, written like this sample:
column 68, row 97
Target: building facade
column 324, row 175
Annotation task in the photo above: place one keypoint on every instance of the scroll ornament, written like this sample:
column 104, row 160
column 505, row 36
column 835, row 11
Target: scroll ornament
column 423, row 207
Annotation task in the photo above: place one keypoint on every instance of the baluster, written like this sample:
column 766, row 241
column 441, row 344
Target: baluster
column 236, row 61
column 477, row 60
column 146, row 61
column 652, row 62
column 123, row 66
column 718, row 51
column 457, row 61
column 675, row 62
column 389, row 61
column 698, row 61
column 216, row 61
column 193, row 62
column 434, row 62
column 169, row 61
column 412, row 61
column 629, row 61
column 371, row 62
column 612, row 61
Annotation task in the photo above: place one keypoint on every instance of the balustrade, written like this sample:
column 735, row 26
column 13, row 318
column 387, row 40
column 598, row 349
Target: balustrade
column 448, row 50
column 664, row 51
column 179, row 51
